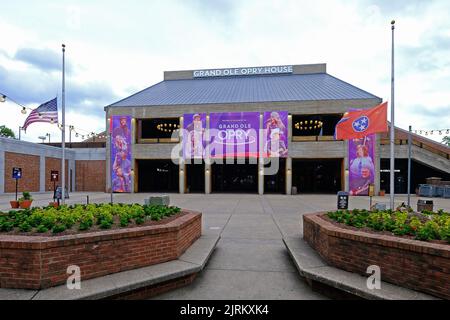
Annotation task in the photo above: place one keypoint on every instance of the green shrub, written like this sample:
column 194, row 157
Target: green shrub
column 425, row 226
column 83, row 217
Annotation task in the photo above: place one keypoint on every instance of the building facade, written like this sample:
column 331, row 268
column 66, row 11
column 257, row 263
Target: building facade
column 315, row 162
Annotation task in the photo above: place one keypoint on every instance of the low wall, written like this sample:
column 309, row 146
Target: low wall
column 33, row 262
column 413, row 264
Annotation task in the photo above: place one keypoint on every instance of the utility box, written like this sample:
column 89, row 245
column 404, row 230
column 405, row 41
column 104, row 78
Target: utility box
column 423, row 205
column 163, row 200
column 342, row 200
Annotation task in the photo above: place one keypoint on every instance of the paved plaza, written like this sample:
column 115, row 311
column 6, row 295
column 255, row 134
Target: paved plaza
column 250, row 260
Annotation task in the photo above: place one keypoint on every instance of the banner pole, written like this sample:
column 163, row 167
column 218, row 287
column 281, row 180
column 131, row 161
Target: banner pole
column 63, row 123
column 392, row 129
column 409, row 166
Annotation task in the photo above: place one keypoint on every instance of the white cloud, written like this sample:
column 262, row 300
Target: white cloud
column 127, row 45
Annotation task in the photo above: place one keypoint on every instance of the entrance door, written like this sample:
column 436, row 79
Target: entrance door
column 235, row 178
column 195, row 178
column 157, row 176
column 276, row 183
column 317, row 175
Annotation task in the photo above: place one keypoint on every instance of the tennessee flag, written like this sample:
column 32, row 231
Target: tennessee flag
column 360, row 123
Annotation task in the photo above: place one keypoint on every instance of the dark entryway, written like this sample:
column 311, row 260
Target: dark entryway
column 235, row 178
column 195, row 178
column 275, row 183
column 419, row 174
column 317, row 175
column 157, row 176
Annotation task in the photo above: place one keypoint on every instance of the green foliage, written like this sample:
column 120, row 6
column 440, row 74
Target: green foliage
column 423, row 226
column 82, row 217
column 6, row 132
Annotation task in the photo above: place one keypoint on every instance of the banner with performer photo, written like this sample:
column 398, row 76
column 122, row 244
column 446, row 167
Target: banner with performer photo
column 194, row 135
column 361, row 156
column 121, row 153
column 275, row 134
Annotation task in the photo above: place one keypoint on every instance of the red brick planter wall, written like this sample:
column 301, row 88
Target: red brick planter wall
column 33, row 262
column 413, row 264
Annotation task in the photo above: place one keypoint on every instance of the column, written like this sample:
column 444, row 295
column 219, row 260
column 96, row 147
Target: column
column 289, row 176
column 108, row 152
column 289, row 159
column 42, row 174
column 2, row 171
column 133, row 162
column 377, row 161
column 345, row 166
column 261, row 175
column 207, row 162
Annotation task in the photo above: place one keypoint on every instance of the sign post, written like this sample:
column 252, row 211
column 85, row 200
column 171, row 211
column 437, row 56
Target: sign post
column 54, row 177
column 17, row 174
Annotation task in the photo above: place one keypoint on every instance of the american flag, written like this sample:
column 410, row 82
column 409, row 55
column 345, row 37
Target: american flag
column 46, row 112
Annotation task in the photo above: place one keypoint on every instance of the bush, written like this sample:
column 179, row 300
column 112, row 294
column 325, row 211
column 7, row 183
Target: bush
column 83, row 217
column 422, row 226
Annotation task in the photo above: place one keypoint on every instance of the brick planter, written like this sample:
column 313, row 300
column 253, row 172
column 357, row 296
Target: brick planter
column 33, row 262
column 413, row 264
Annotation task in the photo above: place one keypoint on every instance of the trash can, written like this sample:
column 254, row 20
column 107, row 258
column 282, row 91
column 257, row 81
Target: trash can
column 342, row 200
column 426, row 190
column 424, row 205
column 294, row 190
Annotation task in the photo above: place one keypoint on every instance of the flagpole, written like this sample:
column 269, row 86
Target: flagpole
column 392, row 129
column 63, row 144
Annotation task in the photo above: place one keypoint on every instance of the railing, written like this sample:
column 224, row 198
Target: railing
column 418, row 144
column 158, row 140
column 312, row 138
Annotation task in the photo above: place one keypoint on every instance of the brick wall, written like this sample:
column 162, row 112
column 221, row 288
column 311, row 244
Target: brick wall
column 40, row 262
column 417, row 265
column 30, row 172
column 54, row 164
column 90, row 175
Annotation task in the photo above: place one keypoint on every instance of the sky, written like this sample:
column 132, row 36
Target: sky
column 116, row 48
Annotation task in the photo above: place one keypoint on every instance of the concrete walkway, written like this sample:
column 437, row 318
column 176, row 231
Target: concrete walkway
column 250, row 260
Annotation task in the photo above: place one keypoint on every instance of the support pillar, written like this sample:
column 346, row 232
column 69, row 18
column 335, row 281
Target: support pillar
column 261, row 176
column 288, row 176
column 42, row 174
column 345, row 166
column 2, row 171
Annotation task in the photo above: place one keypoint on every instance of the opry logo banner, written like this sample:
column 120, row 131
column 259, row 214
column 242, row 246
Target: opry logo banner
column 237, row 134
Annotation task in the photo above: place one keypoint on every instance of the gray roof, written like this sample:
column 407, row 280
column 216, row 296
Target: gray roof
column 274, row 88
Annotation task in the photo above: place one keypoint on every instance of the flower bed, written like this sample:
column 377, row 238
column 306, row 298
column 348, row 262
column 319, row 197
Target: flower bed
column 77, row 218
column 361, row 239
column 99, row 239
column 426, row 226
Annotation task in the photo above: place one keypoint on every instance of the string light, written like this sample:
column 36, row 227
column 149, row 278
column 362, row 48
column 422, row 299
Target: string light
column 309, row 125
column 432, row 132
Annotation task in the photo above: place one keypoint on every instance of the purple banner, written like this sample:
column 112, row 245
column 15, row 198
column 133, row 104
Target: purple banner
column 193, row 135
column 121, row 153
column 361, row 155
column 275, row 138
column 234, row 134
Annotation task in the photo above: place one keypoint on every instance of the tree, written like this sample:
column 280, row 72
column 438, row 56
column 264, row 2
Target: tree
column 446, row 140
column 6, row 132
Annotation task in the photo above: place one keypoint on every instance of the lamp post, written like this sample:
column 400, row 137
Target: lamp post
column 20, row 131
column 392, row 133
column 48, row 135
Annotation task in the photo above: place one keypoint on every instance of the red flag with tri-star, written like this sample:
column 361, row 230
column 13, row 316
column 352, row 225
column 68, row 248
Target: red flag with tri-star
column 357, row 124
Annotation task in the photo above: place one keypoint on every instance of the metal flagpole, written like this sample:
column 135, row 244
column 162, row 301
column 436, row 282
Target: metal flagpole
column 63, row 164
column 409, row 166
column 392, row 137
